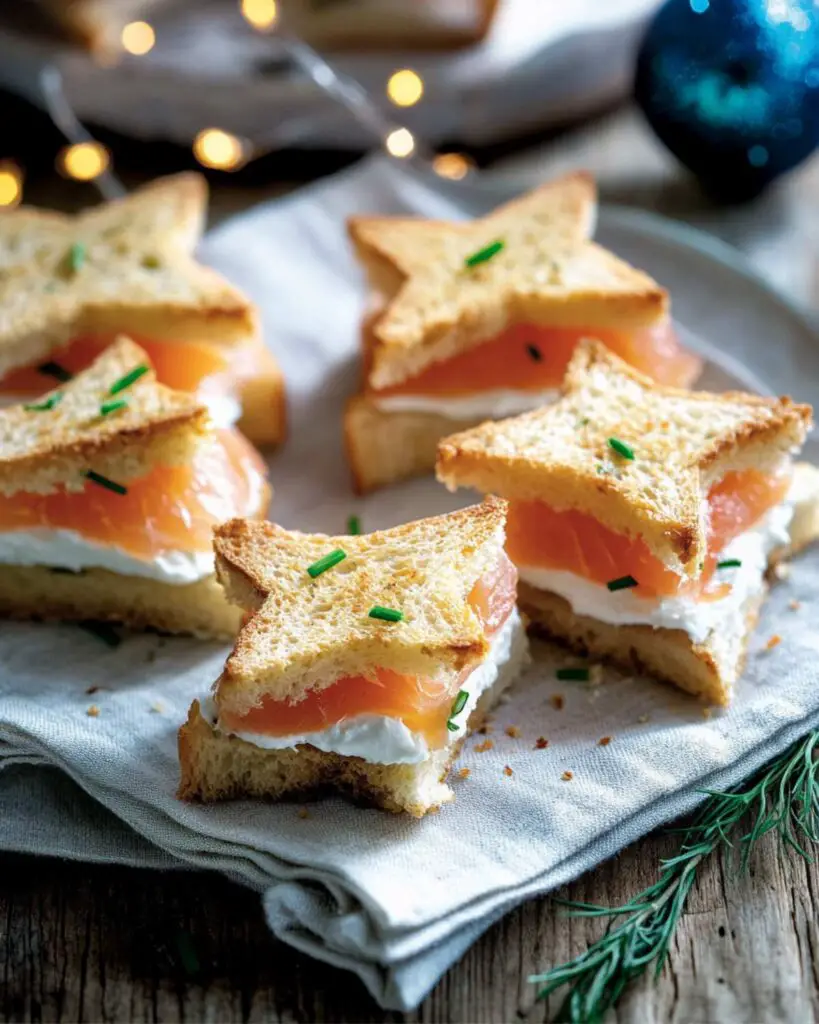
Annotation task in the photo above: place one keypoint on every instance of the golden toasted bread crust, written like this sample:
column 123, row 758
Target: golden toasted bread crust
column 548, row 272
column 305, row 633
column 124, row 265
column 39, row 593
column 683, row 442
column 57, row 440
column 708, row 670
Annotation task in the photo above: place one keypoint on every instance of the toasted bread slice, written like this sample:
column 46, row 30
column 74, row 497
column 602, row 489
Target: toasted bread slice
column 55, row 442
column 128, row 265
column 709, row 669
column 44, row 594
column 304, row 634
column 124, row 265
column 682, row 443
column 547, row 272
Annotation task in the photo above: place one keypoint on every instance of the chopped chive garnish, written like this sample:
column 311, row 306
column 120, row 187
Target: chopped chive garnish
column 327, row 562
column 457, row 707
column 55, row 370
column 49, row 403
column 102, row 631
column 354, row 526
column 730, row 563
column 482, row 255
column 76, row 257
column 575, row 675
column 622, row 583
column 621, row 448
column 108, row 407
column 387, row 614
column 103, row 481
column 534, row 353
column 128, row 379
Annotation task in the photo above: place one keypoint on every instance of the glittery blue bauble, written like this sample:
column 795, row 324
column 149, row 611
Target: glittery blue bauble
column 732, row 88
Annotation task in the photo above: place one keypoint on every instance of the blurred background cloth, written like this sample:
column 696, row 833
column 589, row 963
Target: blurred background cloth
column 489, row 71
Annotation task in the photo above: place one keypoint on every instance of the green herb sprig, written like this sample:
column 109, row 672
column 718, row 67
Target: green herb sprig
column 47, row 404
column 457, row 707
column 572, row 675
column 127, row 380
column 730, row 563
column 385, row 614
column 622, row 583
column 781, row 797
column 353, row 526
column 108, row 407
column 51, row 369
column 103, row 481
column 623, row 449
column 325, row 563
column 482, row 255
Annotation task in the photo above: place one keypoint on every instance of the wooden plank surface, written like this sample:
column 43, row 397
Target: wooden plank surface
column 92, row 943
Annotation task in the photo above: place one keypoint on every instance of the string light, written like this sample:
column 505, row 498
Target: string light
column 138, row 38
column 83, row 161
column 11, row 184
column 261, row 14
column 405, row 88
column 452, row 165
column 215, row 148
column 400, row 143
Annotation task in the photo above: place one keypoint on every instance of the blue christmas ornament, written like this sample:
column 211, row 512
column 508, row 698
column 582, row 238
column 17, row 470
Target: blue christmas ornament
column 732, row 88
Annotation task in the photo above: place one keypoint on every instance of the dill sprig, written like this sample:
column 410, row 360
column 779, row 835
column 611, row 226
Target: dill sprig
column 782, row 797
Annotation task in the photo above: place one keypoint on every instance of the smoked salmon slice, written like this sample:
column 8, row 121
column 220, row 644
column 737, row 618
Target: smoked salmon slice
column 572, row 541
column 423, row 705
column 527, row 357
column 172, row 508
column 194, row 366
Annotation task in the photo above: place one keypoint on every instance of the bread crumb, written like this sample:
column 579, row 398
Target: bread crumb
column 486, row 745
column 643, row 719
column 604, row 741
column 303, row 812
column 485, row 729
column 92, row 689
column 794, row 605
column 773, row 641
column 557, row 701
column 541, row 743
column 513, row 731
column 93, row 711
column 782, row 571
column 157, row 708
column 707, row 712
column 567, row 776
column 464, row 773
column 507, row 771
column 596, row 675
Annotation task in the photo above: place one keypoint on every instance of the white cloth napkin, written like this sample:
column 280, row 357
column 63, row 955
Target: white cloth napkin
column 393, row 899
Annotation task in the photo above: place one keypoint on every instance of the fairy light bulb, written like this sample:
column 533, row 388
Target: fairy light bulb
column 11, row 184
column 400, row 143
column 261, row 14
column 84, row 161
column 405, row 88
column 218, row 149
column 452, row 165
column 138, row 38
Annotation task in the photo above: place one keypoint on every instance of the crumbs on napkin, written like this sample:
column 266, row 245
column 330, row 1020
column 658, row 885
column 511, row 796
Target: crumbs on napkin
column 482, row 747
column 512, row 731
column 604, row 741
column 507, row 771
column 567, row 776
column 557, row 701
column 541, row 743
column 93, row 711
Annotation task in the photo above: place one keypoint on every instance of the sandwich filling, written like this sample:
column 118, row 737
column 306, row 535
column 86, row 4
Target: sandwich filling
column 389, row 718
column 159, row 526
column 522, row 368
column 215, row 373
column 616, row 579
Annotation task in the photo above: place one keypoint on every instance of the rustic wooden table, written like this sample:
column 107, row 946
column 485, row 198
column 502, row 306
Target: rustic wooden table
column 96, row 943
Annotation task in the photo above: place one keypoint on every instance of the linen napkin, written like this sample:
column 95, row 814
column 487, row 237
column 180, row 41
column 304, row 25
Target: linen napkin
column 395, row 900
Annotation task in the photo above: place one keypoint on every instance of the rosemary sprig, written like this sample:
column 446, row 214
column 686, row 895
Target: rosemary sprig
column 783, row 796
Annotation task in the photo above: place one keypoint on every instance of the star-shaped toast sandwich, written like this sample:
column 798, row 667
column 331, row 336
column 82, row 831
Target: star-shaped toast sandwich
column 638, row 457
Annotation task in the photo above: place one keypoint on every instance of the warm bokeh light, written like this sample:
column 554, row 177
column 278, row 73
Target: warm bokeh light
column 400, row 143
column 452, row 165
column 405, row 88
column 138, row 38
column 84, row 160
column 220, row 150
column 261, row 14
column 11, row 184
